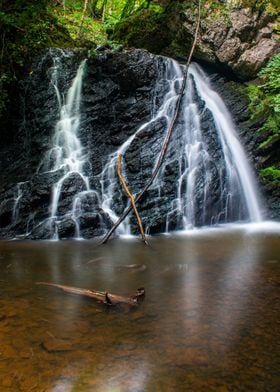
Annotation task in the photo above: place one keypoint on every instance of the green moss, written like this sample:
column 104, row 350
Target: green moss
column 93, row 30
column 25, row 28
column 136, row 27
column 265, row 101
column 270, row 6
column 271, row 173
column 265, row 108
column 213, row 10
column 148, row 28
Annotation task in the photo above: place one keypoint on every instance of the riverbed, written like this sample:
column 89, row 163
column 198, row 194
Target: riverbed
column 209, row 321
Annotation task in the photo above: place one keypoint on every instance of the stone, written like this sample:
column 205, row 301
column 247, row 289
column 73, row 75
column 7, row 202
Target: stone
column 57, row 345
column 242, row 22
column 253, row 59
column 229, row 50
column 225, row 35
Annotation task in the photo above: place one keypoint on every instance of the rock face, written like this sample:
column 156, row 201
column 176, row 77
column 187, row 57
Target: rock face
column 121, row 92
column 242, row 40
column 235, row 96
column 247, row 44
column 116, row 99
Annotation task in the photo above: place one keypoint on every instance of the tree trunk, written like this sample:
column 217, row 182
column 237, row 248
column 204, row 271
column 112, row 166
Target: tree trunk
column 93, row 7
column 83, row 18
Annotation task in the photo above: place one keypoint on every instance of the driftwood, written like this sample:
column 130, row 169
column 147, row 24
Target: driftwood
column 131, row 197
column 100, row 296
column 167, row 137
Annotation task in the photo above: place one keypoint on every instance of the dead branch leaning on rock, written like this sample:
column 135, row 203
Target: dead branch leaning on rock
column 167, row 137
column 131, row 197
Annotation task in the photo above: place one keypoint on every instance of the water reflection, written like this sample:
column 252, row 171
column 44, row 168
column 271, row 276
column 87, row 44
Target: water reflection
column 238, row 276
column 208, row 323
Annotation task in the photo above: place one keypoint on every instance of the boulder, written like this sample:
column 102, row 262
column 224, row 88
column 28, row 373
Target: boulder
column 241, row 40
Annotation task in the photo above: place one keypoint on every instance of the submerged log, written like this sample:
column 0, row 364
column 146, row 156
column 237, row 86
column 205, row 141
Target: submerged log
column 101, row 296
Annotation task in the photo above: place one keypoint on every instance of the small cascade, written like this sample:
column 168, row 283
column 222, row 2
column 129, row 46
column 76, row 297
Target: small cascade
column 205, row 162
column 238, row 172
column 67, row 151
column 18, row 196
column 66, row 155
column 169, row 80
column 214, row 181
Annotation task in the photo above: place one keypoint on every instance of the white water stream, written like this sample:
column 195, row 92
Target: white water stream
column 67, row 155
column 238, row 169
column 195, row 160
column 172, row 76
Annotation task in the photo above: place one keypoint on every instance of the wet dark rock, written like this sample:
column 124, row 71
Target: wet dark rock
column 6, row 212
column 94, row 224
column 41, row 229
column 116, row 97
column 66, row 228
column 118, row 92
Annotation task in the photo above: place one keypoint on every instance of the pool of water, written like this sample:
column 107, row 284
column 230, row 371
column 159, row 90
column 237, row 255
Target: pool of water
column 209, row 322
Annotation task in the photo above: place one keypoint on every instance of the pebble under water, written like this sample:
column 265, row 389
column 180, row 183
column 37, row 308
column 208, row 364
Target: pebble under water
column 209, row 321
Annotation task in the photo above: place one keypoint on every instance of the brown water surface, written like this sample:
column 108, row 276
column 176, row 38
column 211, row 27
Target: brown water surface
column 209, row 322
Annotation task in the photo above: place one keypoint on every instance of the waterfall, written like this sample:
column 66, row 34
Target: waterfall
column 66, row 156
column 238, row 171
column 205, row 179
column 203, row 174
column 213, row 185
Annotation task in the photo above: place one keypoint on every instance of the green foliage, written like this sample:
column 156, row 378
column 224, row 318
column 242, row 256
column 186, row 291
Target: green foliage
column 70, row 17
column 213, row 9
column 25, row 27
column 265, row 99
column 270, row 6
column 92, row 53
column 265, row 107
column 271, row 82
column 271, row 173
column 117, row 11
column 133, row 29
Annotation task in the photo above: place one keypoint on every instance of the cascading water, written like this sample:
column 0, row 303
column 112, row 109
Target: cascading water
column 204, row 180
column 238, row 173
column 209, row 181
column 66, row 155
column 171, row 78
column 211, row 186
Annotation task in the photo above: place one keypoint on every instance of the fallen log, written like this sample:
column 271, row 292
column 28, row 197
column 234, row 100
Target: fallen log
column 101, row 296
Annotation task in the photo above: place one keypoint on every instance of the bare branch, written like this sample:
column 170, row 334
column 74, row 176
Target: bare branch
column 167, row 137
column 131, row 197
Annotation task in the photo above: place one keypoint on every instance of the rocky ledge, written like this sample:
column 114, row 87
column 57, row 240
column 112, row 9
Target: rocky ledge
column 241, row 40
